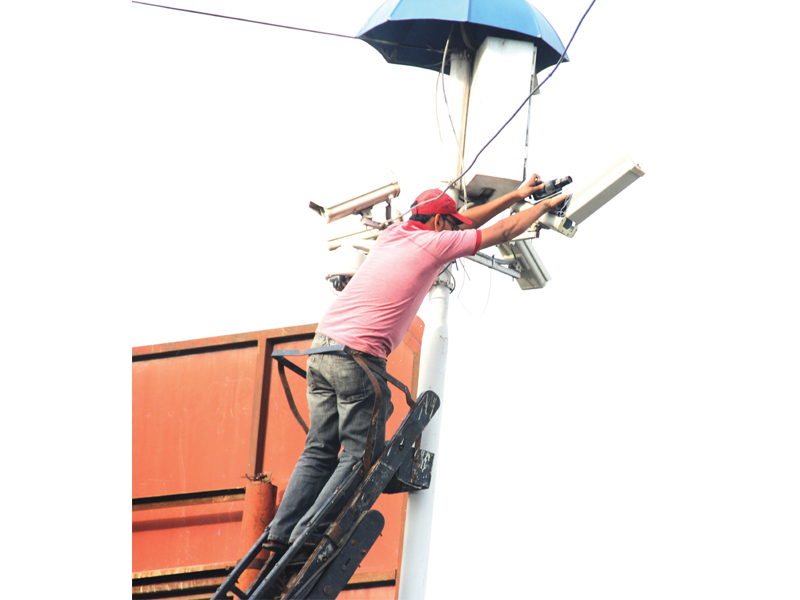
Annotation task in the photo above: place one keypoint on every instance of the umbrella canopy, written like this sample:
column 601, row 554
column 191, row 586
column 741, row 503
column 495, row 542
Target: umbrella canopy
column 414, row 32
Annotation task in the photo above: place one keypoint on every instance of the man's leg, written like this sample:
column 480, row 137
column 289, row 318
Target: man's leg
column 319, row 457
column 356, row 399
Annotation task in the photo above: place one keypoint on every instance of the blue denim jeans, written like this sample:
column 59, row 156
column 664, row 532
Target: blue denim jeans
column 340, row 399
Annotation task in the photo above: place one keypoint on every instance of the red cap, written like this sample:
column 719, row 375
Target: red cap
column 434, row 202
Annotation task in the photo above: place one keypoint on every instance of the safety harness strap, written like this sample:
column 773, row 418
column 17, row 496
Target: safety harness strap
column 370, row 368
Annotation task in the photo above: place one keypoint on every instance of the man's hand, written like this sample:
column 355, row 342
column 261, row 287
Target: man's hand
column 554, row 202
column 534, row 184
column 510, row 227
column 481, row 214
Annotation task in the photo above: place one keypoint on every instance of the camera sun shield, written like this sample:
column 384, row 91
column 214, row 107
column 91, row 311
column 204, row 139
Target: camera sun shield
column 595, row 195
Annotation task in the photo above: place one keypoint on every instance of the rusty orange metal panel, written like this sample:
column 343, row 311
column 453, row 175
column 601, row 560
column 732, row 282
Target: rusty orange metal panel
column 382, row 592
column 212, row 414
column 191, row 421
column 186, row 536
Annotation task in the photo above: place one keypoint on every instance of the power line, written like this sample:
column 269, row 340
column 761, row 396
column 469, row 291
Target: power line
column 340, row 35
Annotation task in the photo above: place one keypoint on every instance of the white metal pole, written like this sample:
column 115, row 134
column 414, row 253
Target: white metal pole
column 433, row 363
column 419, row 512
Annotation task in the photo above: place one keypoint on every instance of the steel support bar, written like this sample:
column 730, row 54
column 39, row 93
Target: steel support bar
column 488, row 261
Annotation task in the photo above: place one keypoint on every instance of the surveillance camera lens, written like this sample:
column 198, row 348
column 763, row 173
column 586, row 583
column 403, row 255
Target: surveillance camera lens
column 338, row 282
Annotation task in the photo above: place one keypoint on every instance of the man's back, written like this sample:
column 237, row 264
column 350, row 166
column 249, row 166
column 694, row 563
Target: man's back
column 378, row 305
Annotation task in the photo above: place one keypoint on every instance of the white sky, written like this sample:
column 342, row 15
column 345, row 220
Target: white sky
column 628, row 431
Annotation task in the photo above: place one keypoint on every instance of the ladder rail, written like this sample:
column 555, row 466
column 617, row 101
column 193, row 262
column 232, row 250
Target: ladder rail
column 229, row 585
column 346, row 489
column 367, row 493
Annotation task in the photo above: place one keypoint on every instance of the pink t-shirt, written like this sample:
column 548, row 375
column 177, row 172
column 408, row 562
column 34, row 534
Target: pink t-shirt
column 378, row 305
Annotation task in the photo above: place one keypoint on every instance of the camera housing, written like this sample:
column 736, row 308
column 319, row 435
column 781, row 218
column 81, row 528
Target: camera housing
column 583, row 204
column 533, row 274
column 349, row 251
column 519, row 252
column 358, row 205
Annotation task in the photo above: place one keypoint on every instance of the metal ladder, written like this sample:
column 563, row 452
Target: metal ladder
column 402, row 466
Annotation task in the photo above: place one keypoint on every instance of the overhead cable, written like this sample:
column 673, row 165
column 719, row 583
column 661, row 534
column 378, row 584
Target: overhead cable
column 341, row 35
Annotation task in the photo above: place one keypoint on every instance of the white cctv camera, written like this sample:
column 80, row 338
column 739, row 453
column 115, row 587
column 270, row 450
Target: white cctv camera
column 532, row 273
column 344, row 262
column 520, row 260
column 358, row 205
column 583, row 204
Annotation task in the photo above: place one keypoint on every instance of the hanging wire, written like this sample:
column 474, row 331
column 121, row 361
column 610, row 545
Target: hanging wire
column 436, row 95
column 450, row 115
column 440, row 77
column 467, row 279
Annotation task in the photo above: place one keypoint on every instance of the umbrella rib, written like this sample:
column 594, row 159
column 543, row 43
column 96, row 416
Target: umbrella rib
column 423, row 48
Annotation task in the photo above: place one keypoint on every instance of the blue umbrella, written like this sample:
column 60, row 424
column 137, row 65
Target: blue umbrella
column 414, row 32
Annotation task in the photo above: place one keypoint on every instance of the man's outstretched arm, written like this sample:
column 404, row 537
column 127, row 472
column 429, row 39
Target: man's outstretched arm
column 510, row 227
column 479, row 215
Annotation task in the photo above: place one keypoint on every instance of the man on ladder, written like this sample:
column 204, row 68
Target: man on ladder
column 370, row 318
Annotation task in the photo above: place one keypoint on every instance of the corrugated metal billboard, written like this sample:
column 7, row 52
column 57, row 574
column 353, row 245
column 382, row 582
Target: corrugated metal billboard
column 214, row 444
